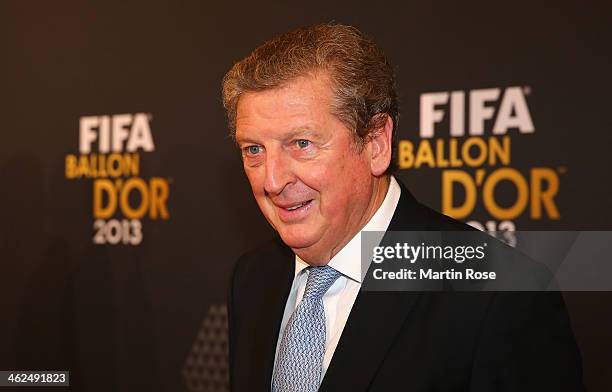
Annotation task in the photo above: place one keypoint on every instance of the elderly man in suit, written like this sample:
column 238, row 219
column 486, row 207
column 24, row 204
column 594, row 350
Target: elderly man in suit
column 315, row 115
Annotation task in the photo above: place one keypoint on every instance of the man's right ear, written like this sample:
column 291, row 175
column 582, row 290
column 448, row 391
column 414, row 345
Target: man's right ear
column 379, row 144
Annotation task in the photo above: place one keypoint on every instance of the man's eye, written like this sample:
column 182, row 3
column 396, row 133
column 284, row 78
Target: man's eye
column 253, row 150
column 303, row 143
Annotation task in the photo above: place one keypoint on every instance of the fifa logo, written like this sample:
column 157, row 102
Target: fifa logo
column 468, row 135
column 512, row 113
column 110, row 148
column 117, row 133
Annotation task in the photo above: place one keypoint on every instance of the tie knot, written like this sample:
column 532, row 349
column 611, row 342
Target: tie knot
column 319, row 281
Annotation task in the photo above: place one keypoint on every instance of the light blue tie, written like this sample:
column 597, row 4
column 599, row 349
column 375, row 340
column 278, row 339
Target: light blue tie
column 302, row 347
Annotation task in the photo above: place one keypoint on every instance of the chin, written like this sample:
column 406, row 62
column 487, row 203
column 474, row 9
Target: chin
column 297, row 239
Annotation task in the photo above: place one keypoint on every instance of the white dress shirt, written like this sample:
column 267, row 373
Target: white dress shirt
column 339, row 299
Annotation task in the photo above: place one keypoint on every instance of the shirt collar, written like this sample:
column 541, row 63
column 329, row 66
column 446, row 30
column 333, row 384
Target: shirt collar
column 348, row 260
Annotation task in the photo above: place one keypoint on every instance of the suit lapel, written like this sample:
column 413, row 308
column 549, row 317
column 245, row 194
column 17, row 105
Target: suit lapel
column 375, row 319
column 270, row 314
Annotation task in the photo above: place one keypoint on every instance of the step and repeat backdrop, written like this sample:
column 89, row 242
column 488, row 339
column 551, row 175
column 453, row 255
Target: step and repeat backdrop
column 123, row 203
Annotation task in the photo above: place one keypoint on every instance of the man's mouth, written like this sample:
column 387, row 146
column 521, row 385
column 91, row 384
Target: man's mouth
column 300, row 205
column 294, row 212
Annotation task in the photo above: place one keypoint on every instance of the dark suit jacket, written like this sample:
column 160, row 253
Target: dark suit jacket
column 409, row 341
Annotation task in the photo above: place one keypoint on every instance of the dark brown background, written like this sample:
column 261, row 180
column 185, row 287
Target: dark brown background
column 125, row 318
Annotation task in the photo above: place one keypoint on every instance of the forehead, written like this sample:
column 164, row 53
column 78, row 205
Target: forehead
column 303, row 102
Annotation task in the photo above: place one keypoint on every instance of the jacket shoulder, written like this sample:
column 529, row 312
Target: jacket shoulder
column 437, row 221
column 412, row 215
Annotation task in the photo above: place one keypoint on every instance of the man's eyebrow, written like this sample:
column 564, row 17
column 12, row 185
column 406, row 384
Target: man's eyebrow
column 239, row 140
column 302, row 131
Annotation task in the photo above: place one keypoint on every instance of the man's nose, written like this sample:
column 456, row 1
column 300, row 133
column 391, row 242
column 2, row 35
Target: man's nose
column 278, row 173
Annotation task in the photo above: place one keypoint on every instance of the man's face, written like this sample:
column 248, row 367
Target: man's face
column 311, row 182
